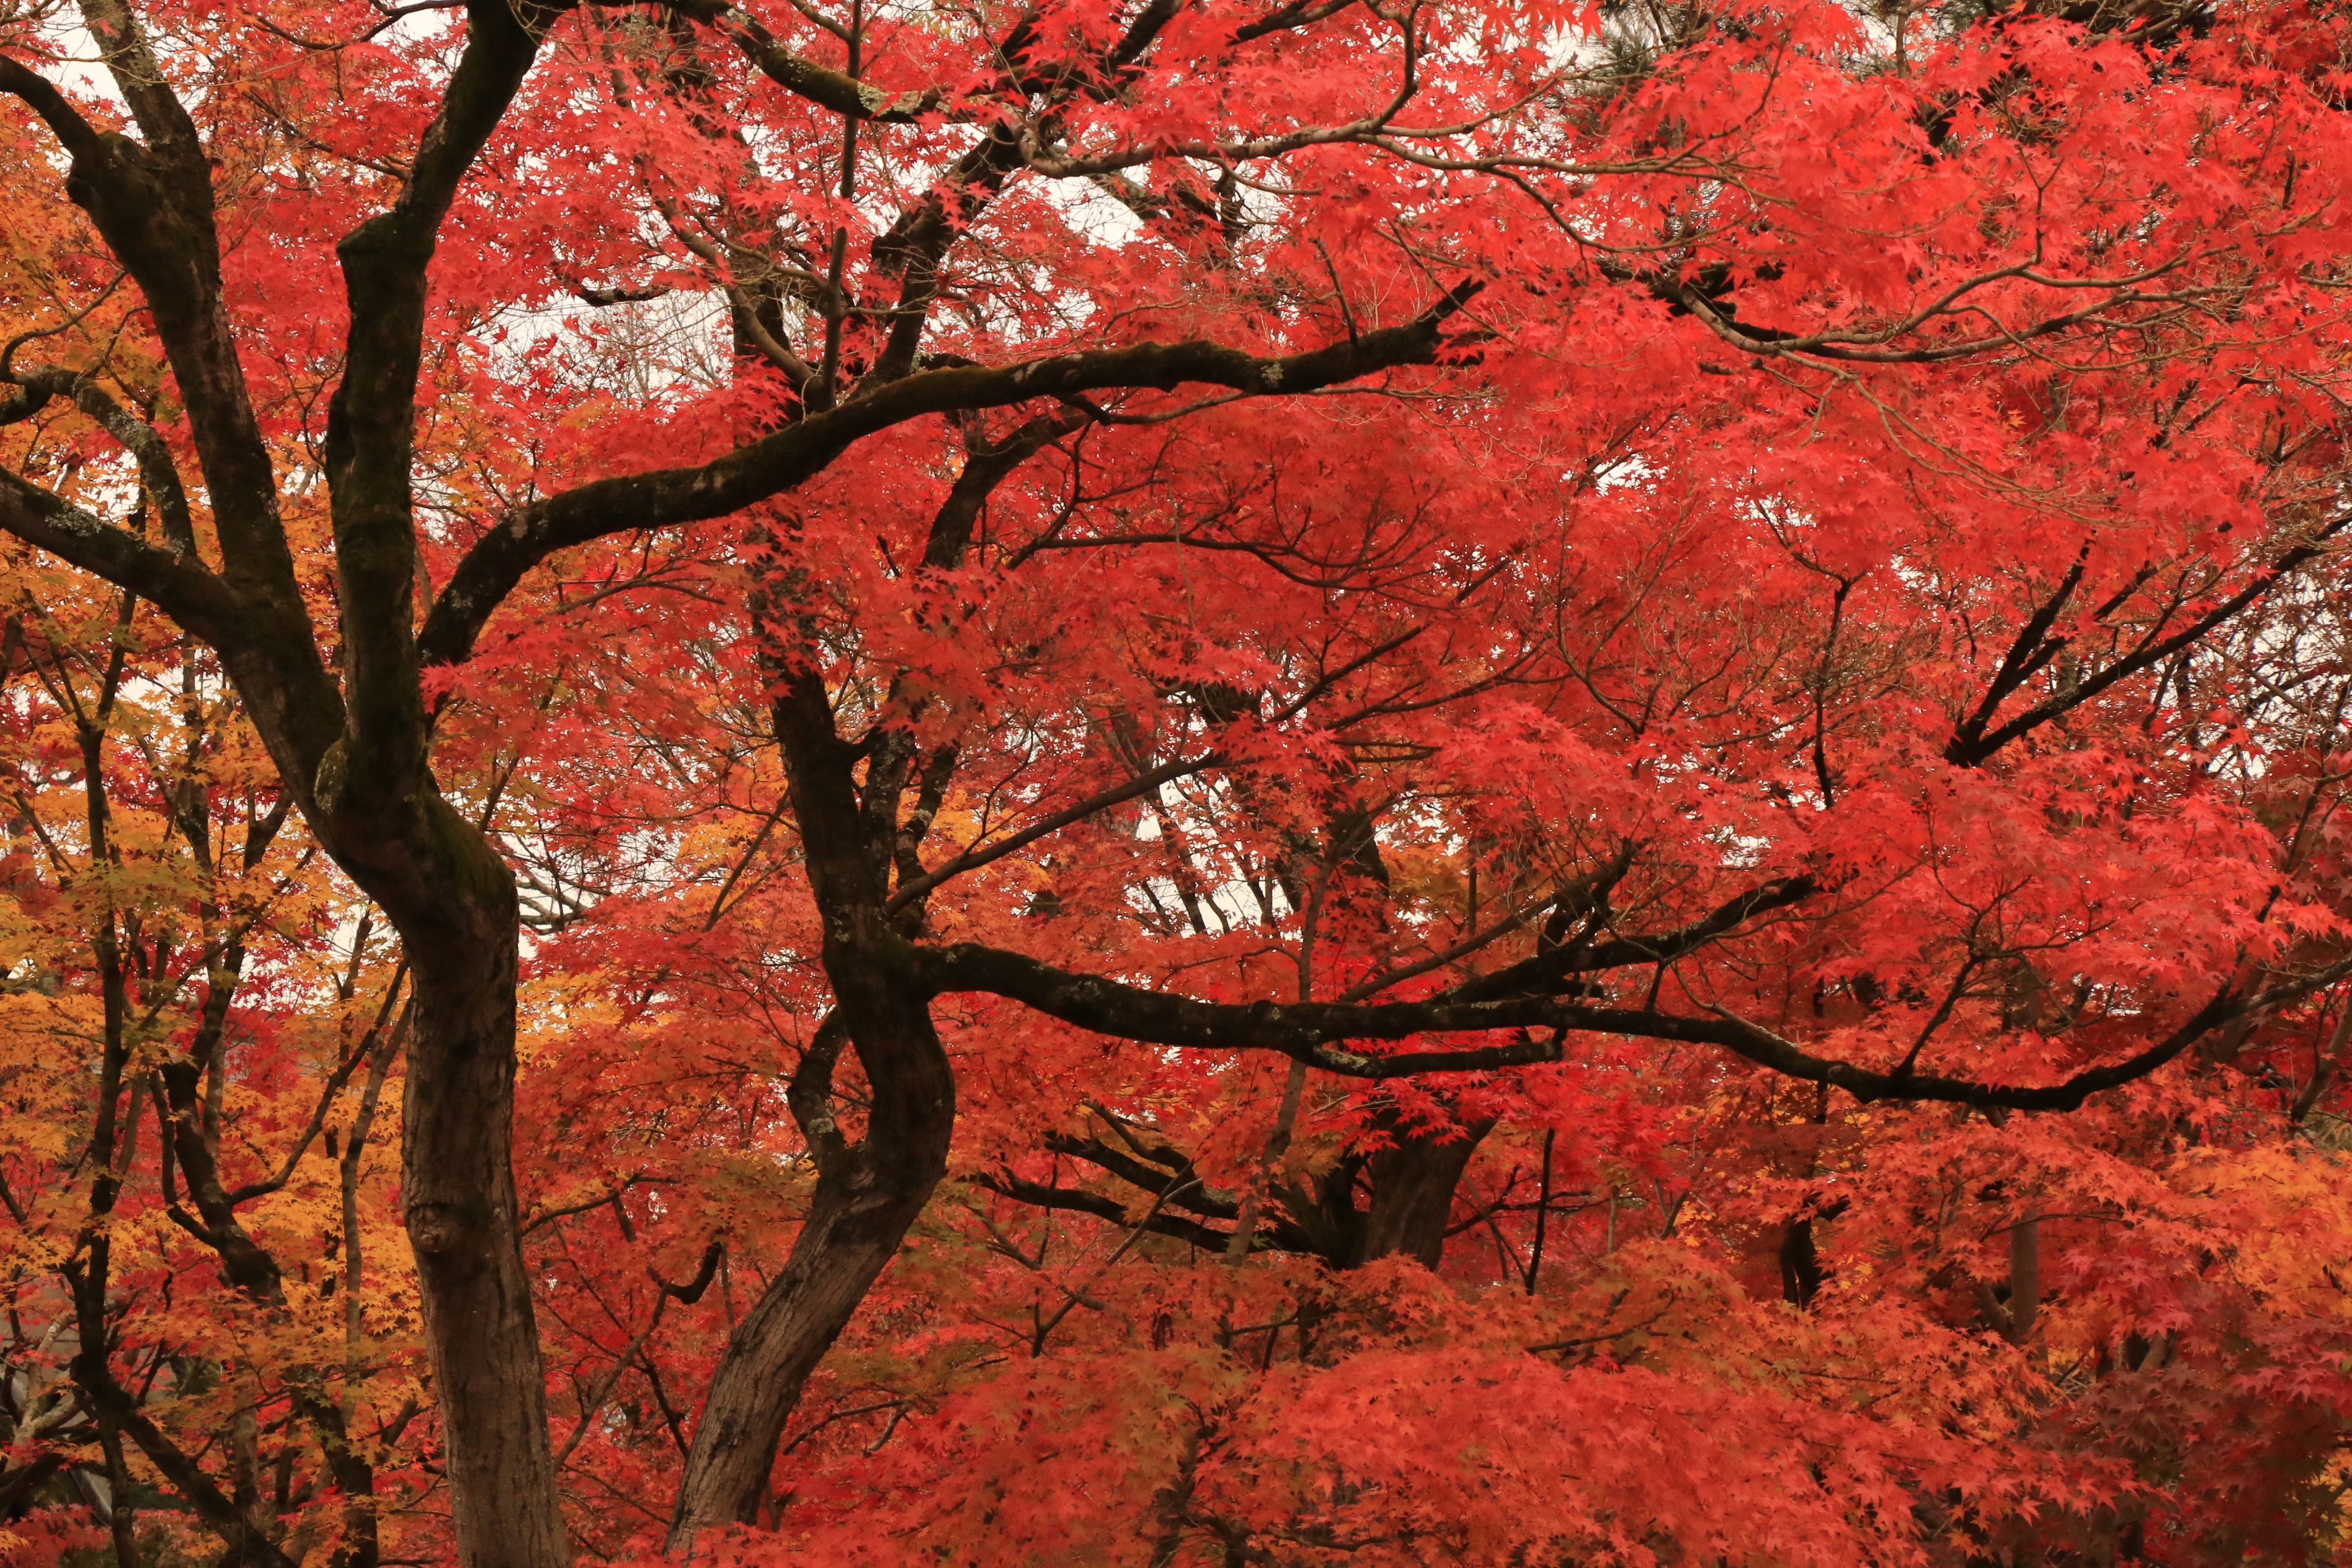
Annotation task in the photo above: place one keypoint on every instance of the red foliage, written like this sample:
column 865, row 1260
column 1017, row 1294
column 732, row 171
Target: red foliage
column 1288, row 785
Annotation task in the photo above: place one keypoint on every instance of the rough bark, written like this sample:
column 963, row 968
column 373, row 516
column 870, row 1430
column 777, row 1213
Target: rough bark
column 2024, row 1279
column 868, row 1192
column 1413, row 1182
column 859, row 1217
column 352, row 753
column 457, row 1191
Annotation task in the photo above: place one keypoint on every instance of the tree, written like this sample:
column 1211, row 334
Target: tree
column 1444, row 578
column 150, row 909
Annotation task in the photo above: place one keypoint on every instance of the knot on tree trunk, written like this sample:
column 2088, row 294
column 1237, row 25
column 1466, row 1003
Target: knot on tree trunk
column 437, row 1229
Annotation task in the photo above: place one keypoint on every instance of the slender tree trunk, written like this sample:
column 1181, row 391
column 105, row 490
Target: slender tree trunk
column 2024, row 1277
column 868, row 1192
column 855, row 1223
column 1801, row 1264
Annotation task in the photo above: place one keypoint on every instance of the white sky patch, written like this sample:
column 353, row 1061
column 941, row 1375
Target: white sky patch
column 78, row 71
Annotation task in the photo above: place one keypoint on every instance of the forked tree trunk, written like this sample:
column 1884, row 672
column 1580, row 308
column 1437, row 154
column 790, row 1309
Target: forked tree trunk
column 868, row 1193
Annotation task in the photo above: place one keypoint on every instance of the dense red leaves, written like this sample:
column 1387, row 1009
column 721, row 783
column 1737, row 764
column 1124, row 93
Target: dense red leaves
column 1890, row 454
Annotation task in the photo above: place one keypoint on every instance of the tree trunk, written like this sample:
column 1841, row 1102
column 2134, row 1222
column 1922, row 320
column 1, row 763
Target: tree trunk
column 451, row 899
column 2024, row 1279
column 1414, row 1181
column 868, row 1193
column 1801, row 1264
column 457, row 1193
column 857, row 1219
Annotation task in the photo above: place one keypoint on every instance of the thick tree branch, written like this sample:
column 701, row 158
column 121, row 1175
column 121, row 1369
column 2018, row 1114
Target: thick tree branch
column 178, row 584
column 139, row 77
column 153, row 205
column 1180, row 1185
column 1544, row 970
column 1077, row 1200
column 370, row 424
column 1309, row 1031
column 691, row 1291
column 667, row 497
column 821, row 85
column 78, row 136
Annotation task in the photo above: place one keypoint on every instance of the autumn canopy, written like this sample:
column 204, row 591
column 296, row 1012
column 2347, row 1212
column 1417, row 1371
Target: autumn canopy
column 1175, row 783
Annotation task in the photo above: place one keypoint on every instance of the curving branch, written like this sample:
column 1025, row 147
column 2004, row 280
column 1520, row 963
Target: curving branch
column 667, row 497
column 1311, row 1032
column 795, row 72
column 157, row 471
column 167, row 577
column 1544, row 972
column 1175, row 1183
column 153, row 203
column 1077, row 1200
